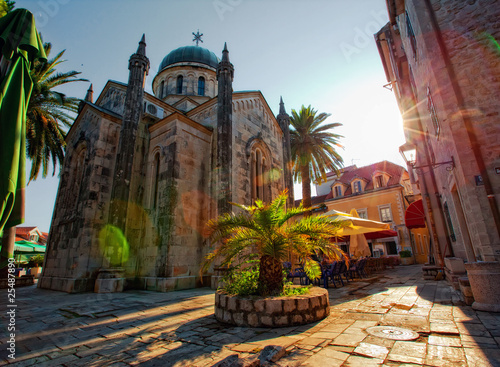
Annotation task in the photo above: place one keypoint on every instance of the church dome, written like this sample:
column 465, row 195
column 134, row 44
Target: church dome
column 190, row 54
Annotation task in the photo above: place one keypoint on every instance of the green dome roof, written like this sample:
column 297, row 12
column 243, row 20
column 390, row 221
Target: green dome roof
column 190, row 54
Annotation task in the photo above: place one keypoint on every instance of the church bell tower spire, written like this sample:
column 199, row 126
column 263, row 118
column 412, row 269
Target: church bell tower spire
column 284, row 121
column 225, row 74
column 120, row 194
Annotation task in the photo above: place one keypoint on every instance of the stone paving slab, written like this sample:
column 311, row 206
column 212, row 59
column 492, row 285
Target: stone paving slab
column 179, row 328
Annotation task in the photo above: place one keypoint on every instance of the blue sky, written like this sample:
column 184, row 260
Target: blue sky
column 318, row 52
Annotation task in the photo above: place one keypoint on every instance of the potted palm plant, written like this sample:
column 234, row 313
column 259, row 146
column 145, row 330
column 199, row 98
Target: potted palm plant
column 265, row 234
column 406, row 257
column 35, row 265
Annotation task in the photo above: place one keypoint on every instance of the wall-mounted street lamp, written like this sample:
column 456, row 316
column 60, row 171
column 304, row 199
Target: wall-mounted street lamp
column 409, row 153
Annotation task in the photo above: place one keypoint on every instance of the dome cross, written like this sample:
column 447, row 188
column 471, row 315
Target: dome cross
column 197, row 37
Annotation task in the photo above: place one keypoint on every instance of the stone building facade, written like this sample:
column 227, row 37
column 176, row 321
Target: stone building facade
column 442, row 61
column 144, row 173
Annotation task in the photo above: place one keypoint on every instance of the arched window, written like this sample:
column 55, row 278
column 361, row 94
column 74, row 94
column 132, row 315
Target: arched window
column 162, row 89
column 201, row 86
column 179, row 84
column 258, row 173
column 156, row 181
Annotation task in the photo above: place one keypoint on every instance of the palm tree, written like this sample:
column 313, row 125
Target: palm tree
column 47, row 114
column 6, row 6
column 265, row 230
column 312, row 146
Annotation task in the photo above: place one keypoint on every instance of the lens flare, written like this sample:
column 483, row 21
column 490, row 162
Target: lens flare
column 114, row 245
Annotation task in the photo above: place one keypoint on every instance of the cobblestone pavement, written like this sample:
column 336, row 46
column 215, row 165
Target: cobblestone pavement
column 179, row 328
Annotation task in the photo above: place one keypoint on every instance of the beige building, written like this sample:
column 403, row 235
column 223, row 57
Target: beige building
column 382, row 192
column 144, row 172
column 442, row 62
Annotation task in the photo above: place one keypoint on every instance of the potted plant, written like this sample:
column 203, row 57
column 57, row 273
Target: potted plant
column 35, row 264
column 406, row 257
column 255, row 242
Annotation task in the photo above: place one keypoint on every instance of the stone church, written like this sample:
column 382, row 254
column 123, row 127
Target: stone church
column 144, row 173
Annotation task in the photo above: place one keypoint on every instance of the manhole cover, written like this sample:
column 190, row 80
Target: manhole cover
column 392, row 332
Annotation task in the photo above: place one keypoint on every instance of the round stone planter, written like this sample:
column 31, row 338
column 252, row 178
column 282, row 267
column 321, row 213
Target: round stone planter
column 484, row 278
column 406, row 260
column 256, row 311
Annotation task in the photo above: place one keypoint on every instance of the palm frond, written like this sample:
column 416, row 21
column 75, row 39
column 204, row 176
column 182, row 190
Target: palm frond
column 48, row 113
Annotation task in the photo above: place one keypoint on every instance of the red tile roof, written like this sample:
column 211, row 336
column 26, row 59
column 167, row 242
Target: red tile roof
column 343, row 170
column 24, row 230
column 365, row 173
column 23, row 234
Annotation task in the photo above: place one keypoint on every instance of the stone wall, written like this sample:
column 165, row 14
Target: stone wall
column 252, row 119
column 175, row 240
column 73, row 254
column 113, row 100
column 469, row 30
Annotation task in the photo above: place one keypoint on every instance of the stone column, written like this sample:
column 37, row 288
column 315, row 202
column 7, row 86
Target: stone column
column 225, row 73
column 111, row 279
column 284, row 121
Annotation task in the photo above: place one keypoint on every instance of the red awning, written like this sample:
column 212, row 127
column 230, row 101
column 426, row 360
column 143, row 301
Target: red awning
column 414, row 216
column 381, row 234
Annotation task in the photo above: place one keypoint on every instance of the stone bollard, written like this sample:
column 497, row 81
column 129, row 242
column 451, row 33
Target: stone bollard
column 109, row 280
column 484, row 278
column 466, row 290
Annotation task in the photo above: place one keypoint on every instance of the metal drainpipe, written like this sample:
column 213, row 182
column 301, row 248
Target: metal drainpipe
column 467, row 122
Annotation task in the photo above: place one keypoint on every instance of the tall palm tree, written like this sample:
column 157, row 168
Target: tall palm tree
column 47, row 114
column 6, row 6
column 312, row 146
column 266, row 230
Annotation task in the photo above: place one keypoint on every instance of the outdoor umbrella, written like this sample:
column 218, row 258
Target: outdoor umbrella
column 358, row 244
column 356, row 225
column 20, row 45
column 26, row 247
column 356, row 228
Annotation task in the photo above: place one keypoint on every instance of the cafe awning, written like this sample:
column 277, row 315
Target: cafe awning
column 381, row 234
column 415, row 216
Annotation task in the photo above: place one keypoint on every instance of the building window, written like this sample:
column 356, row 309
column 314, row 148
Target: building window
column 162, row 88
column 392, row 248
column 379, row 181
column 362, row 213
column 338, row 191
column 411, row 36
column 201, row 86
column 356, row 186
column 450, row 224
column 179, row 84
column 432, row 112
column 34, row 238
column 385, row 214
column 258, row 170
column 156, row 181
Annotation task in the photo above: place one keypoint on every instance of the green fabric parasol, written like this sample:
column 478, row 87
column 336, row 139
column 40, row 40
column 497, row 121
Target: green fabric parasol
column 20, row 45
